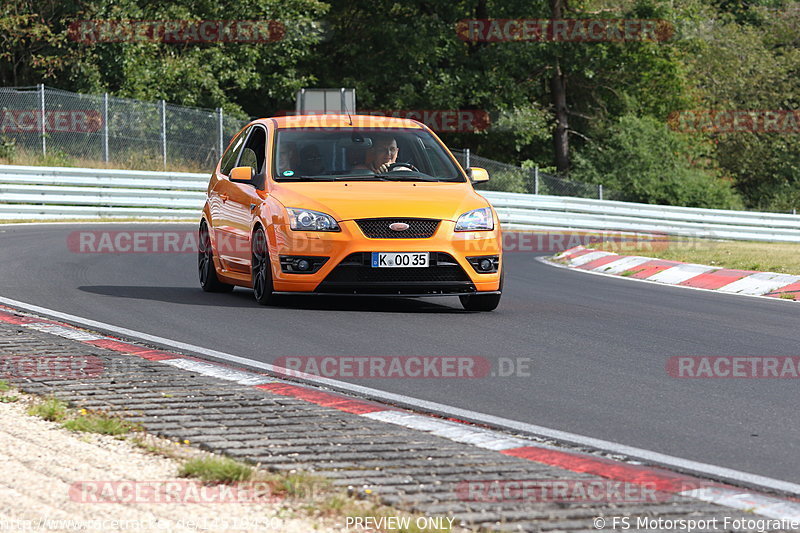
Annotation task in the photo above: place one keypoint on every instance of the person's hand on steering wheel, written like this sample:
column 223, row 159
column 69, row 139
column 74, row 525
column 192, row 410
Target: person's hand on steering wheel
column 392, row 167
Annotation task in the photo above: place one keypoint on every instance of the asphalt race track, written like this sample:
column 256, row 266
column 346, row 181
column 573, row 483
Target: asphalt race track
column 598, row 345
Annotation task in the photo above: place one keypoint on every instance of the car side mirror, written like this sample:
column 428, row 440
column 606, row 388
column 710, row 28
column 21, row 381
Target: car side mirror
column 477, row 174
column 243, row 175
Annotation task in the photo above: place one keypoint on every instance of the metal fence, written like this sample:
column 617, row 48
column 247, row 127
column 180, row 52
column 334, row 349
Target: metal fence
column 136, row 134
column 510, row 178
column 80, row 193
column 113, row 130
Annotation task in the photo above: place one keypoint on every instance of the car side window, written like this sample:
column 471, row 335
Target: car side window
column 232, row 153
column 255, row 150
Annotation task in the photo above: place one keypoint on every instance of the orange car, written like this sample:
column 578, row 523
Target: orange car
column 334, row 204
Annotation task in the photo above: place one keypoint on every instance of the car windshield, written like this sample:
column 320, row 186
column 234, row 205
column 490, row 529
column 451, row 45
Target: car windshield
column 350, row 154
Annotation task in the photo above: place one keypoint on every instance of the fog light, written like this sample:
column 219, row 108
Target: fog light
column 294, row 264
column 486, row 264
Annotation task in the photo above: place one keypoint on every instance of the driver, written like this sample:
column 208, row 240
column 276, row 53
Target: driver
column 380, row 155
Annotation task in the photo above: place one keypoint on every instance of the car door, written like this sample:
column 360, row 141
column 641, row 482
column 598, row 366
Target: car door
column 222, row 217
column 240, row 199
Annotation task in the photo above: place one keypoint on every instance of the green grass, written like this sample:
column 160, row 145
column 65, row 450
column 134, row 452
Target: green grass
column 298, row 484
column 4, row 386
column 51, row 409
column 9, row 399
column 217, row 470
column 98, row 422
column 55, row 410
column 134, row 161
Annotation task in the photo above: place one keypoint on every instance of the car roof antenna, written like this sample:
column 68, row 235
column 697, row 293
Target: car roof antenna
column 344, row 105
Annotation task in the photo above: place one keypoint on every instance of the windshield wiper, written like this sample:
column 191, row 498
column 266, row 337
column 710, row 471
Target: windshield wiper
column 361, row 177
column 394, row 176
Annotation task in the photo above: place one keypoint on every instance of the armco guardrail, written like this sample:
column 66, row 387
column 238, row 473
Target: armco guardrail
column 79, row 193
column 44, row 193
column 527, row 211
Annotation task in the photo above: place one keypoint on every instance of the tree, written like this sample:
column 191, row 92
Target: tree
column 644, row 161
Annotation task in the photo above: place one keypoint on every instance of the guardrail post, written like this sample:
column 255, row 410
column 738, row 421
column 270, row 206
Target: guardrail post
column 220, row 130
column 164, row 132
column 105, row 127
column 41, row 110
column 600, row 191
column 536, row 179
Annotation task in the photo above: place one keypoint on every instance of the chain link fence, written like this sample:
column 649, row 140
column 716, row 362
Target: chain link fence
column 510, row 178
column 57, row 126
column 42, row 125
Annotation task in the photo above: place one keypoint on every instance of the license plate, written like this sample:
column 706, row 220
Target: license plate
column 399, row 259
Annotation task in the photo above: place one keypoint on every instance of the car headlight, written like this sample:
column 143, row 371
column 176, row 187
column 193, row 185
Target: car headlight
column 475, row 220
column 307, row 220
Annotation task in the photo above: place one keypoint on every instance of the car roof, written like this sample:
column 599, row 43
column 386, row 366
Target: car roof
column 343, row 121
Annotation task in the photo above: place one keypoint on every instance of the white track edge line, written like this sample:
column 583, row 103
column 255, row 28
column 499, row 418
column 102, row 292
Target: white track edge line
column 713, row 471
column 547, row 261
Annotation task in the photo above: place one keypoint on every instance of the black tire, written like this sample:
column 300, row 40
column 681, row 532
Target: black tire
column 261, row 270
column 209, row 281
column 482, row 302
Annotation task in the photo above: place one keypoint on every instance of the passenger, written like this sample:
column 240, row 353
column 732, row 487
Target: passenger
column 380, row 155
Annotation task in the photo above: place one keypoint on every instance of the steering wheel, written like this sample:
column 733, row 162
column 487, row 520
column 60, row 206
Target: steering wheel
column 405, row 167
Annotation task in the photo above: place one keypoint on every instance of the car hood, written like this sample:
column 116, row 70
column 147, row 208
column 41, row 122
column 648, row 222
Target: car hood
column 370, row 199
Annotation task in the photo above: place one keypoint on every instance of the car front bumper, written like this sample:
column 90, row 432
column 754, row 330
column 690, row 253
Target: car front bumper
column 346, row 269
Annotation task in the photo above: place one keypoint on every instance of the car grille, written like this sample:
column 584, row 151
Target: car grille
column 355, row 274
column 378, row 228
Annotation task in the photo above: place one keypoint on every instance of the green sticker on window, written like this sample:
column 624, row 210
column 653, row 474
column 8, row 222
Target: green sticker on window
column 288, row 172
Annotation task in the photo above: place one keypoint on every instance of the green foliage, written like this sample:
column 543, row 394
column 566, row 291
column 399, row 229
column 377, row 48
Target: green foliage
column 8, row 148
column 299, row 484
column 98, row 422
column 51, row 409
column 216, row 469
column 646, row 162
column 408, row 56
column 753, row 65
